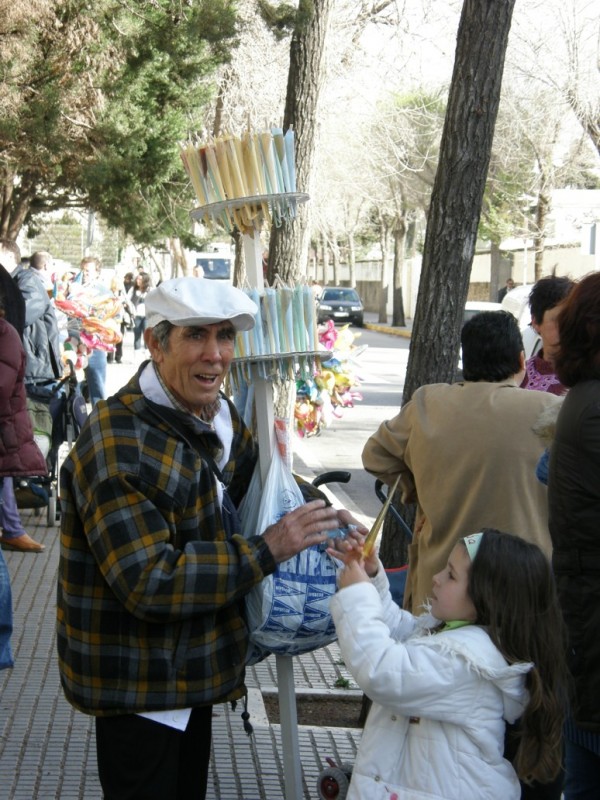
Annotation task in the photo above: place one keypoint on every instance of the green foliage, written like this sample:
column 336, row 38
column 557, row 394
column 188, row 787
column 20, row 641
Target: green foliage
column 281, row 19
column 342, row 683
column 100, row 98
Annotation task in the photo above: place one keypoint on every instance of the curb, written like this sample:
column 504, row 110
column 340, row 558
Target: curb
column 404, row 332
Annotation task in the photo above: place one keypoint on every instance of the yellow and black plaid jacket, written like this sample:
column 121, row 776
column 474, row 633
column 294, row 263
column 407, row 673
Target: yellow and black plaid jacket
column 150, row 588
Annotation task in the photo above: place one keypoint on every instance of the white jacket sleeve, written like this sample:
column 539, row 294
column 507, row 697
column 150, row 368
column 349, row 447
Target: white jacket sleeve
column 410, row 677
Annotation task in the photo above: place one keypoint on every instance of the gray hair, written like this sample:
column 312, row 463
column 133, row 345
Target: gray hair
column 161, row 332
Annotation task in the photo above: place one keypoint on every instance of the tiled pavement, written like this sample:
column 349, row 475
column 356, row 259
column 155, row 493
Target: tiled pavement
column 47, row 750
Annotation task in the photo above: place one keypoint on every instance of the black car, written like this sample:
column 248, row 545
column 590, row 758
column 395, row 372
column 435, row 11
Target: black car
column 341, row 304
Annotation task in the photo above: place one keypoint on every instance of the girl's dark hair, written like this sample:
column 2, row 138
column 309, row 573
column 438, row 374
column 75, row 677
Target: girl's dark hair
column 513, row 590
column 578, row 358
column 146, row 281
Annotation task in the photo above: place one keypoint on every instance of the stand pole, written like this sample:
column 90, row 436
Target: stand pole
column 263, row 392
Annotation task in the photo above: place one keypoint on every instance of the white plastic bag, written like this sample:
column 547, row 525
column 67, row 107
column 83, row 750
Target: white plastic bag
column 288, row 612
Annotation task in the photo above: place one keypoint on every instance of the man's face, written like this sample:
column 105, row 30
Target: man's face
column 195, row 363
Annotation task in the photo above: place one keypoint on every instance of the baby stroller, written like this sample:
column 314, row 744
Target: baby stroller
column 58, row 410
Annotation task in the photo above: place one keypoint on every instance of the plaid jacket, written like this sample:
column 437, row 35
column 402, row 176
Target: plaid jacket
column 150, row 584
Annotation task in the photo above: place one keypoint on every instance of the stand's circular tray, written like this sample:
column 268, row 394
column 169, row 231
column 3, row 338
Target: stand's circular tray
column 253, row 200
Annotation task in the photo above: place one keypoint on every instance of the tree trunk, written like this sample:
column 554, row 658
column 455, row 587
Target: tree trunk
column 352, row 259
column 542, row 210
column 324, row 260
column 458, row 191
column 239, row 264
column 178, row 259
column 384, row 239
column 456, row 198
column 500, row 271
column 398, row 319
column 335, row 258
column 288, row 246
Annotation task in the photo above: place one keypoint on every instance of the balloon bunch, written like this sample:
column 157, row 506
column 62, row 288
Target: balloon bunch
column 322, row 398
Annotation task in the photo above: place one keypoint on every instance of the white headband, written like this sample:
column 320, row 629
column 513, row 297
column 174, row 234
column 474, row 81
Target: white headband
column 472, row 542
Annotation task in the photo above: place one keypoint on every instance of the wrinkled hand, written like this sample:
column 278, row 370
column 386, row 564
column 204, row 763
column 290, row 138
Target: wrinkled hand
column 345, row 518
column 307, row 525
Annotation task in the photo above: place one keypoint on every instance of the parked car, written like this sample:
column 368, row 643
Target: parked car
column 473, row 307
column 341, row 304
column 517, row 302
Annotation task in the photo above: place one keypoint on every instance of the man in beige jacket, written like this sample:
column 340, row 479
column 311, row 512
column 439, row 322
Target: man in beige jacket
column 466, row 452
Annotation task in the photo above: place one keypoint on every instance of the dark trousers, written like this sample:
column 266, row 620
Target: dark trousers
column 139, row 759
column 583, row 773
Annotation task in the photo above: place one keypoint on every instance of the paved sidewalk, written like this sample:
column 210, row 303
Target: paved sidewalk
column 47, row 750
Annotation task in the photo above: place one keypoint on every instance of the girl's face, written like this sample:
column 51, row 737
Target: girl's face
column 450, row 599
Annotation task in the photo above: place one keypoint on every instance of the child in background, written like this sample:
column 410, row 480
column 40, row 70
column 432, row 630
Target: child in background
column 444, row 684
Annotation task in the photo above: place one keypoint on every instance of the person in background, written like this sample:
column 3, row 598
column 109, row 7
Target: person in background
column 137, row 302
column 574, row 521
column 127, row 321
column 94, row 289
column 545, row 302
column 151, row 547
column 19, row 454
column 466, row 452
column 444, row 685
column 41, row 263
column 510, row 284
column 41, row 337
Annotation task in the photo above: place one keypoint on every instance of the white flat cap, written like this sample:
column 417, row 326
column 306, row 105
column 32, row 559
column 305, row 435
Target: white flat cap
column 199, row 301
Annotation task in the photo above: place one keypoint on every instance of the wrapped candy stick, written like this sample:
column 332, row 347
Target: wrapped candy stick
column 215, row 181
column 192, row 168
column 254, row 176
column 271, row 305
column 257, row 348
column 287, row 319
column 310, row 317
column 369, row 543
column 299, row 327
column 281, row 160
column 266, row 151
column 289, row 156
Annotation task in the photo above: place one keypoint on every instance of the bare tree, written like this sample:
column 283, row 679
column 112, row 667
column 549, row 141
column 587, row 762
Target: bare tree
column 458, row 191
column 288, row 245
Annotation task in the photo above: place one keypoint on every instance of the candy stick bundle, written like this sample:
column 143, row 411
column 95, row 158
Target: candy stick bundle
column 284, row 335
column 243, row 182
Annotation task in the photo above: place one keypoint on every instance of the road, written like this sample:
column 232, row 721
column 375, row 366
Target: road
column 381, row 369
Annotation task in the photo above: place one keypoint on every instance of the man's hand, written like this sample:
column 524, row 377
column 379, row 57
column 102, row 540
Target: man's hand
column 305, row 526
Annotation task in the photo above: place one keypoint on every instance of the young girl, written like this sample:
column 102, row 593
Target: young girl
column 444, row 684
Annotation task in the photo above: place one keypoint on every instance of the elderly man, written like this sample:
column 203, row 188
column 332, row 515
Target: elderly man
column 466, row 452
column 153, row 566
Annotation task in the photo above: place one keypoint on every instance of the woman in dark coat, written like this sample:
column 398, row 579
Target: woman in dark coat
column 574, row 520
column 19, row 454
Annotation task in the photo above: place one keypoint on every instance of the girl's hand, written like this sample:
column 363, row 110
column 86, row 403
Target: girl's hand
column 353, row 572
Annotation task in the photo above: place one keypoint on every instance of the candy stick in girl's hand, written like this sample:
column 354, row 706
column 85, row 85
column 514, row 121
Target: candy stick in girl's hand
column 369, row 543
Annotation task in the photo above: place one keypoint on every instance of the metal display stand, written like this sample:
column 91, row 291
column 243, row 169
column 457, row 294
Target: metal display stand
column 265, row 420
